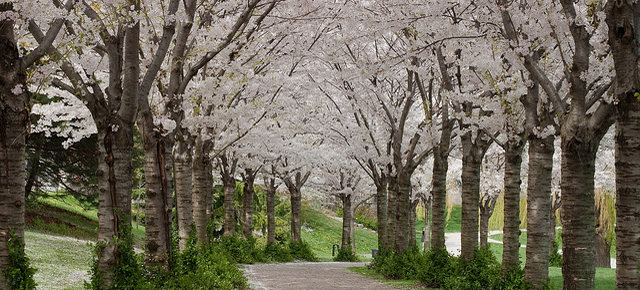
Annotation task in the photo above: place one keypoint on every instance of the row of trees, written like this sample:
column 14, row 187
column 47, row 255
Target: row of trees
column 351, row 95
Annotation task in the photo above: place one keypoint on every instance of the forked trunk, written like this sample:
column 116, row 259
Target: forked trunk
column 14, row 122
column 623, row 39
column 511, row 228
column 182, row 172
column 538, row 209
column 248, row 194
column 578, row 215
column 296, row 212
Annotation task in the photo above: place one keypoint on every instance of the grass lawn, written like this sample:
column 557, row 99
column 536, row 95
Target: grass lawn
column 321, row 232
column 61, row 262
column 402, row 284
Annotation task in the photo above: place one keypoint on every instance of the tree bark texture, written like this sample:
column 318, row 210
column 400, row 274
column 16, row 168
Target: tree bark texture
column 392, row 208
column 271, row 213
column 381, row 214
column 227, row 171
column 202, row 181
column 412, row 223
column 296, row 212
column 439, row 193
column 248, row 195
column 487, row 205
column 427, row 223
column 538, row 209
column 511, row 228
column 347, row 220
column 14, row 125
column 624, row 25
column 184, row 197
column 403, row 213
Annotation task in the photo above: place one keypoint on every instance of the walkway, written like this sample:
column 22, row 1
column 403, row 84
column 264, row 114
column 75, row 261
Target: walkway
column 324, row 275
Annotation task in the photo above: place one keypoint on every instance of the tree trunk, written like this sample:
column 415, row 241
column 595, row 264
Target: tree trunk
column 403, row 210
column 555, row 205
column 412, row 224
column 578, row 214
column 202, row 187
column 439, row 193
column 427, row 224
column 271, row 215
column 538, row 208
column 381, row 214
column 392, row 207
column 603, row 249
column 511, row 228
column 229, row 187
column 34, row 172
column 484, row 230
column 471, row 167
column 14, row 122
column 296, row 212
column 347, row 220
column 184, row 205
column 248, row 194
column 623, row 38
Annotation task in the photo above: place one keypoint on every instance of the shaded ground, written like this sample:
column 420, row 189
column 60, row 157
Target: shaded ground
column 325, row 275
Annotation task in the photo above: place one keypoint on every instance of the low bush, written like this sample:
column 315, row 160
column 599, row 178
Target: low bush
column 19, row 273
column 302, row 251
column 278, row 252
column 346, row 254
column 240, row 250
column 438, row 269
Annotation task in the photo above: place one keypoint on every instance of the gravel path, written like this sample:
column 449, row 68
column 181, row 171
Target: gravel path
column 324, row 275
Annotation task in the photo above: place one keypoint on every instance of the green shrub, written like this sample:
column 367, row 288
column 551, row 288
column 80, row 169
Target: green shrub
column 366, row 218
column 302, row 251
column 278, row 252
column 556, row 258
column 19, row 273
column 346, row 254
column 240, row 250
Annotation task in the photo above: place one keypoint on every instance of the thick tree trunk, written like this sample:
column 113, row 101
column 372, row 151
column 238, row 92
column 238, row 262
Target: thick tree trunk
column 271, row 215
column 623, row 39
column 248, row 194
column 347, row 220
column 202, row 181
column 578, row 214
column 439, row 193
column 473, row 152
column 470, row 198
column 403, row 213
column 296, row 212
column 392, row 207
column 427, row 224
column 14, row 123
column 538, row 208
column 183, row 181
column 158, row 198
column 511, row 228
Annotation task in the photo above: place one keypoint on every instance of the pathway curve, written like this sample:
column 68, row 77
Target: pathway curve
column 323, row 275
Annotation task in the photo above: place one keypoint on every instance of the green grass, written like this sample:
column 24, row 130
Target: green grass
column 402, row 284
column 605, row 278
column 61, row 262
column 321, row 232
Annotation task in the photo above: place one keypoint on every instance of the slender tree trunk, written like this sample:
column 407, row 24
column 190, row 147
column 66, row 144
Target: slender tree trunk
column 183, row 180
column 578, row 215
column 484, row 230
column 202, row 186
column 248, row 194
column 471, row 167
column 229, row 187
column 427, row 224
column 271, row 216
column 412, row 224
column 34, row 171
column 347, row 220
column 403, row 210
column 296, row 212
column 555, row 205
column 392, row 207
column 603, row 249
column 381, row 214
column 623, row 38
column 14, row 125
column 511, row 228
column 538, row 208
